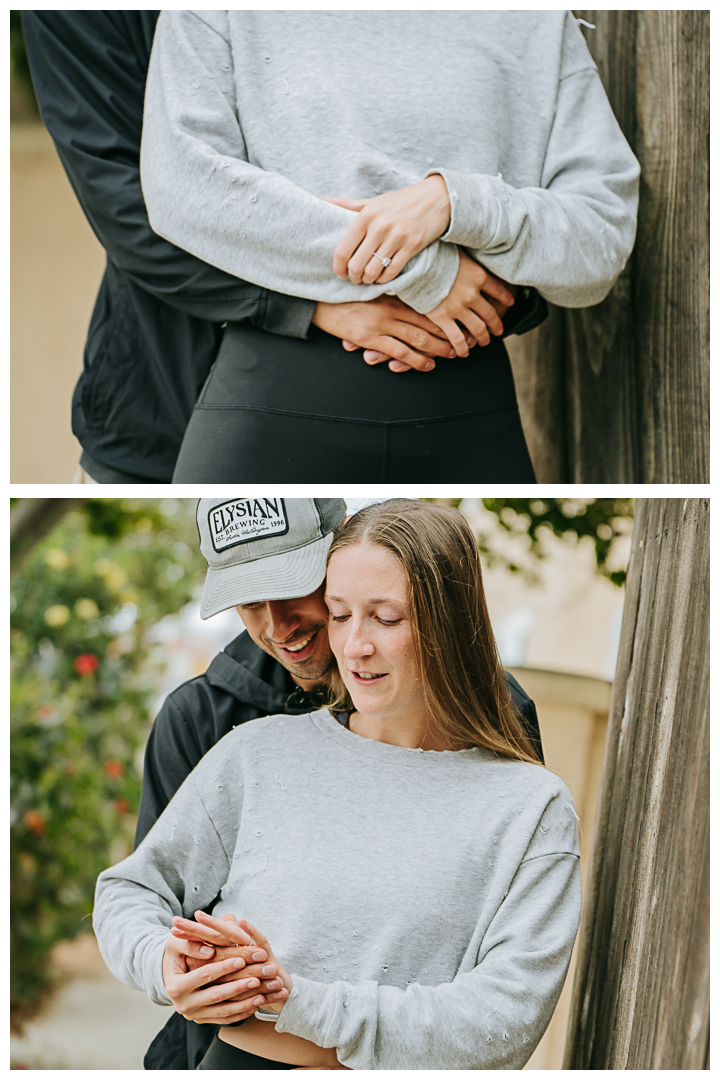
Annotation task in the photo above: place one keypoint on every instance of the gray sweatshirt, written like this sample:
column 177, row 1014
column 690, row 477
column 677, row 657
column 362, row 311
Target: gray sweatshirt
column 250, row 115
column 424, row 903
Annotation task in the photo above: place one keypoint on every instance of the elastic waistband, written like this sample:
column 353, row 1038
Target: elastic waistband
column 317, row 377
column 360, row 420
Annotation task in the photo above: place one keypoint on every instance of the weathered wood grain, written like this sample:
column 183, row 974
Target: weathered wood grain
column 671, row 261
column 537, row 366
column 634, row 371
column 599, row 342
column 641, row 993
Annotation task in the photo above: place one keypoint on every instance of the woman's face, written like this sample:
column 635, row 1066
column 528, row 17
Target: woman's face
column 371, row 634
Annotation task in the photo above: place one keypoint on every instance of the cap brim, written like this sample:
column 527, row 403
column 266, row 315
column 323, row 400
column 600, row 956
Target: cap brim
column 277, row 577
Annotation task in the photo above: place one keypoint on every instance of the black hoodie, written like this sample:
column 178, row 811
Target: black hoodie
column 241, row 684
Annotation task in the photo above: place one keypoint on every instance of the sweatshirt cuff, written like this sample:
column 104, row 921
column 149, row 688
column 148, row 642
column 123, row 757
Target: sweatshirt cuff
column 153, row 961
column 434, row 276
column 289, row 316
column 310, row 1009
column 475, row 208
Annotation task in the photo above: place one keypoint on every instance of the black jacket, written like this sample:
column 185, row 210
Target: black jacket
column 241, row 684
column 156, row 326
column 157, row 323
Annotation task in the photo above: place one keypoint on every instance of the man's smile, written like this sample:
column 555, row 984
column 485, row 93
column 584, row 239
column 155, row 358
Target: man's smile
column 300, row 649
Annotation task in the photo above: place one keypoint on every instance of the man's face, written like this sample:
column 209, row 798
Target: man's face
column 294, row 632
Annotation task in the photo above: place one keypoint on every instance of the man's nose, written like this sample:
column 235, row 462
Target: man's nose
column 284, row 619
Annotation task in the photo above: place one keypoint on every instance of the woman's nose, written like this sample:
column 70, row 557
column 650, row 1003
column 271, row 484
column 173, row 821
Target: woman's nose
column 357, row 643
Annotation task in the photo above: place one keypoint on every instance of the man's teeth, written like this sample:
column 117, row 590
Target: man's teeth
column 300, row 645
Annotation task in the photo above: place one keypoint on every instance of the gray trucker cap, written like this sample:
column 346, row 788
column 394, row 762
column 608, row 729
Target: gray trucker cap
column 264, row 549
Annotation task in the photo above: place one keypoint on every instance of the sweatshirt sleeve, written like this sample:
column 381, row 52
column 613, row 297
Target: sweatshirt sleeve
column 181, row 866
column 89, row 69
column 491, row 1017
column 571, row 236
column 203, row 194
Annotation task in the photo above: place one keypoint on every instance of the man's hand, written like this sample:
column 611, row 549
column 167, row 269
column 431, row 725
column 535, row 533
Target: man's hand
column 388, row 329
column 466, row 304
column 397, row 225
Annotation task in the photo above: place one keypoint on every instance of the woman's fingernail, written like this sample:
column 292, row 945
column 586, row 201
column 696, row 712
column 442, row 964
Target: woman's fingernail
column 239, row 962
column 258, row 956
column 205, row 951
column 253, row 984
column 268, row 970
column 259, row 1001
column 276, row 997
column 429, row 366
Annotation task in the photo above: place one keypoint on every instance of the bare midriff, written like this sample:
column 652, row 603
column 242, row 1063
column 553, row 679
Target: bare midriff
column 260, row 1037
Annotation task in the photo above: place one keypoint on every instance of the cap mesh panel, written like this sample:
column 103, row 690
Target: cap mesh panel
column 331, row 513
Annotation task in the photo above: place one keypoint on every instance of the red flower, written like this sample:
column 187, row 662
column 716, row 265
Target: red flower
column 35, row 822
column 86, row 664
column 114, row 768
column 122, row 806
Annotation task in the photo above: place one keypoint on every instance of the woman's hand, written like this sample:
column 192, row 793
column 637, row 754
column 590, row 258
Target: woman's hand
column 191, row 942
column 228, row 989
column 466, row 304
column 388, row 330
column 202, row 995
column 397, row 225
column 274, row 981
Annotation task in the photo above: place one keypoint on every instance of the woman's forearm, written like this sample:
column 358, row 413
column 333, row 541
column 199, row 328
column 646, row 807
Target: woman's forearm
column 571, row 234
column 489, row 1017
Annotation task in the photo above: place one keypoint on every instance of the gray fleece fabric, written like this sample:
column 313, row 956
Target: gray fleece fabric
column 250, row 115
column 424, row 903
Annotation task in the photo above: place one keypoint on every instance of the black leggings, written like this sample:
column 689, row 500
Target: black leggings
column 279, row 410
column 222, row 1055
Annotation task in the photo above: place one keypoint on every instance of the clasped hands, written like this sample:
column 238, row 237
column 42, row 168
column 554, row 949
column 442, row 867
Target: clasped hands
column 399, row 224
column 219, row 971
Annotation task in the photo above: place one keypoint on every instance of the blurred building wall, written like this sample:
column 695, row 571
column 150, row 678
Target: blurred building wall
column 55, row 265
column 573, row 715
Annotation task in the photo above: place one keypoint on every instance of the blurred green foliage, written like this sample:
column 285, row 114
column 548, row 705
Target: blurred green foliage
column 604, row 521
column 84, row 672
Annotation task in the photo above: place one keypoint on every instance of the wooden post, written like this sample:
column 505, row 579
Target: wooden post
column 619, row 392
column 641, row 993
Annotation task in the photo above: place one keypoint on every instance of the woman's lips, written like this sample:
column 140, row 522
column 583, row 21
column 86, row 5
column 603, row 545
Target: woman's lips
column 367, row 678
column 296, row 654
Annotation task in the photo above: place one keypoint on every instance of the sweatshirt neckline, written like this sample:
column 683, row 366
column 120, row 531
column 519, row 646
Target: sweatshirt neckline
column 396, row 755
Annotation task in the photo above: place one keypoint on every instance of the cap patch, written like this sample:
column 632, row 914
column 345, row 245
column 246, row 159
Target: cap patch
column 240, row 520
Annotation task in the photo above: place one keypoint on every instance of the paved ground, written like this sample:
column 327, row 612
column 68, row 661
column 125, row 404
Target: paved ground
column 94, row 1022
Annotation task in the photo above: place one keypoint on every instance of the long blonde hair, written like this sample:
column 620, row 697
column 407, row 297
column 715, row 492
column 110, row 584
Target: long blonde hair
column 466, row 693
